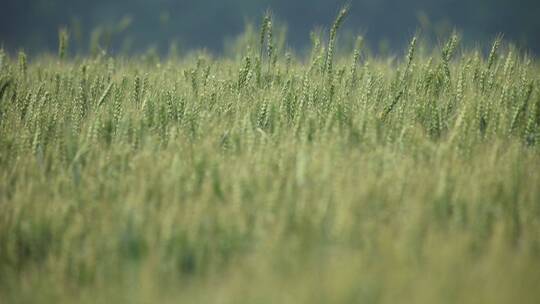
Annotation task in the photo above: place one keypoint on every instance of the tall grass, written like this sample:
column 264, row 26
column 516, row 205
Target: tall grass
column 271, row 178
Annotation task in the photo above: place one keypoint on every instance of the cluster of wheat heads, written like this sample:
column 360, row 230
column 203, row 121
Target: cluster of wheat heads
column 271, row 177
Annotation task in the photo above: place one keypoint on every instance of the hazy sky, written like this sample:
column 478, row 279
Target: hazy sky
column 139, row 24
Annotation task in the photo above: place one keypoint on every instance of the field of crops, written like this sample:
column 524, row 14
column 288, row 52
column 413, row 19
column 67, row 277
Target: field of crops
column 271, row 177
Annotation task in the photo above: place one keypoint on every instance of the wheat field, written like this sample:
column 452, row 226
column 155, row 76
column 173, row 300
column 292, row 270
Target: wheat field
column 271, row 177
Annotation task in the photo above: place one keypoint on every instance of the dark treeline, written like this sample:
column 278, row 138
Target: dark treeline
column 136, row 25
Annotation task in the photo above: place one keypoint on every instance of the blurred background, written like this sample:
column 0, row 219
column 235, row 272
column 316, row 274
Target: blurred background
column 134, row 26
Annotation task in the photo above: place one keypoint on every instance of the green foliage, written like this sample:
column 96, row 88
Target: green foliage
column 63, row 41
column 270, row 178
